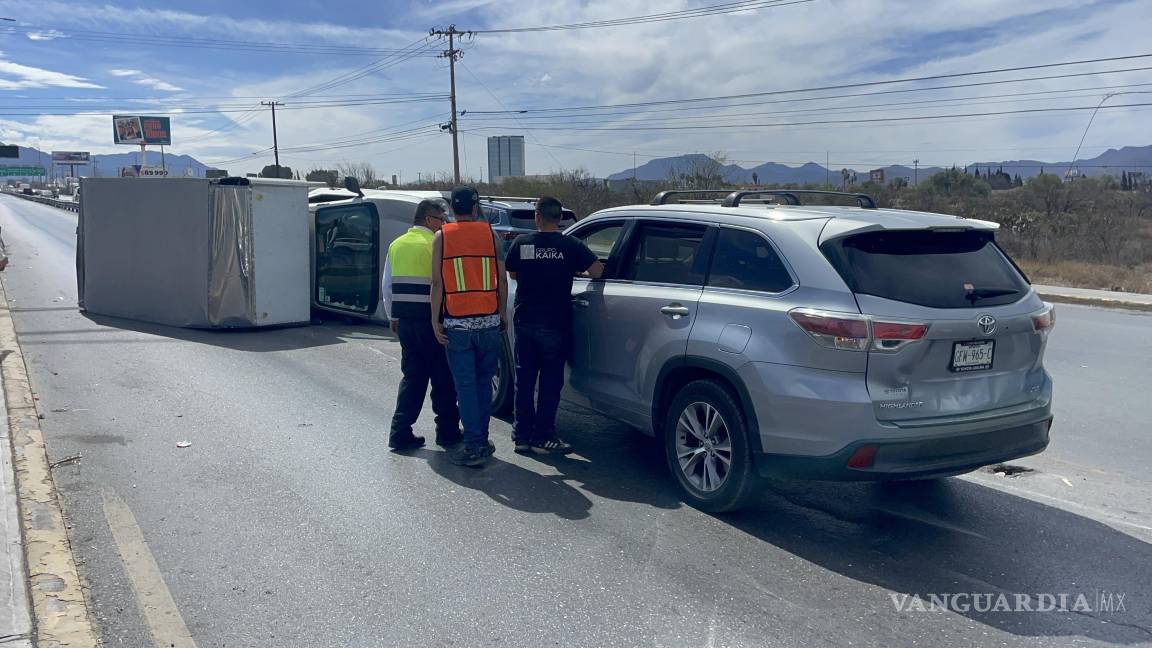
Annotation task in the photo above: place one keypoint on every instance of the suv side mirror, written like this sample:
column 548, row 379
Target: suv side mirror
column 353, row 185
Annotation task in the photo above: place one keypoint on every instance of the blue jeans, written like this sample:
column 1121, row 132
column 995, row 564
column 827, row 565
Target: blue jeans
column 540, row 356
column 474, row 357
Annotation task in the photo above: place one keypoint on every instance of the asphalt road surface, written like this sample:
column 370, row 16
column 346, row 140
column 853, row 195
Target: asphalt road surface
column 288, row 523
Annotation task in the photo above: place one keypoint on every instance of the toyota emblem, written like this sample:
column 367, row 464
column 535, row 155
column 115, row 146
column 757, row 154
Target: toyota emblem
column 987, row 324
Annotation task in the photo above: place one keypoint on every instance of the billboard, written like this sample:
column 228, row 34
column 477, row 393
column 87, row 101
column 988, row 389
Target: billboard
column 215, row 174
column 138, row 171
column 9, row 151
column 139, row 129
column 876, row 175
column 71, row 157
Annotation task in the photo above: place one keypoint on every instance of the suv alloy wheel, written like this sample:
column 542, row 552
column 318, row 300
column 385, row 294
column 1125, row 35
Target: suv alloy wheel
column 707, row 449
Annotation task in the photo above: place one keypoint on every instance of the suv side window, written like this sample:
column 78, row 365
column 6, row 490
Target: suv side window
column 602, row 239
column 667, row 254
column 490, row 214
column 747, row 261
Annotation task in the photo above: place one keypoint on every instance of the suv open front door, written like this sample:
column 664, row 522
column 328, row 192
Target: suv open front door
column 346, row 259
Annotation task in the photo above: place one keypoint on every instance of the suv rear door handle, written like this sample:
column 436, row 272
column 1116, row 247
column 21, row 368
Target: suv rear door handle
column 676, row 310
column 582, row 303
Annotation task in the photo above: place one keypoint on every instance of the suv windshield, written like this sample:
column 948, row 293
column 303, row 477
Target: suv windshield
column 928, row 268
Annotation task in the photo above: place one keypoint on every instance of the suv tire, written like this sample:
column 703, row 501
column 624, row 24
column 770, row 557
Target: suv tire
column 706, row 421
column 503, row 389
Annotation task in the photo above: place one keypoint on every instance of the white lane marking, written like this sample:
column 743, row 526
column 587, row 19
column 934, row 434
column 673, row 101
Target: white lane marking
column 152, row 595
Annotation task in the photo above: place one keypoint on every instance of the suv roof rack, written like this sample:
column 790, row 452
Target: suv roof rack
column 662, row 197
column 791, row 195
column 508, row 199
column 734, row 198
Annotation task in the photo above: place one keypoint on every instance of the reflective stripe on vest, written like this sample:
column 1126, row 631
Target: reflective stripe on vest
column 469, row 269
column 410, row 260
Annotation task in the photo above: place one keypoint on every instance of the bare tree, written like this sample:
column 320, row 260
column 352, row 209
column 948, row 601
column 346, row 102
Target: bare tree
column 364, row 173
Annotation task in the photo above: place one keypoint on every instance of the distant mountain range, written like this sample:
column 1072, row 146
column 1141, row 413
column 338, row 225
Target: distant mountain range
column 1111, row 162
column 109, row 165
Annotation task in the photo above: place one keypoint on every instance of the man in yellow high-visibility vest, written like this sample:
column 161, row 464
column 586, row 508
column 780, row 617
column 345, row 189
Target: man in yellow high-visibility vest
column 405, row 293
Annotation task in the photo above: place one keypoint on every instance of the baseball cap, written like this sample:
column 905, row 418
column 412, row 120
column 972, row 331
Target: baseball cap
column 464, row 199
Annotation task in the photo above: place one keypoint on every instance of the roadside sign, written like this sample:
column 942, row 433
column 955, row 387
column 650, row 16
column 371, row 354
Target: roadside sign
column 141, row 129
column 71, row 157
column 213, row 174
column 137, row 171
column 22, row 171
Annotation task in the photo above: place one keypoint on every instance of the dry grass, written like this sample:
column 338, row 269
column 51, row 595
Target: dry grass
column 1080, row 274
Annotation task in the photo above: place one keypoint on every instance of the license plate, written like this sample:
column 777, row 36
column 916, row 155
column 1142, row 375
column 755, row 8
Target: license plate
column 972, row 356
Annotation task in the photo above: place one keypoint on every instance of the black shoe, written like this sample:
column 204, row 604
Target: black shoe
column 401, row 442
column 472, row 456
column 449, row 439
column 523, row 445
column 549, row 446
column 489, row 448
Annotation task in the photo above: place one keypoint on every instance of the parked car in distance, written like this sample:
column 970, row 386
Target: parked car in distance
column 510, row 216
column 759, row 337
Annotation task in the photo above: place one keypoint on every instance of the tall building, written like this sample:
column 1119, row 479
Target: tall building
column 505, row 157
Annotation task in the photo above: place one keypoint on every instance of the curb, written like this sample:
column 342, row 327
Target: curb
column 60, row 610
column 1101, row 302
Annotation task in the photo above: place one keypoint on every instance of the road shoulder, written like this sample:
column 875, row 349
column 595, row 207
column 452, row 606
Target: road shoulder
column 57, row 597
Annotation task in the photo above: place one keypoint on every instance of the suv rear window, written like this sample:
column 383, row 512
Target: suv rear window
column 935, row 269
column 526, row 218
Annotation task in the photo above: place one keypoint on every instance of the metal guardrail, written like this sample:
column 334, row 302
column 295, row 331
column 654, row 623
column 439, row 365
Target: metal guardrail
column 69, row 205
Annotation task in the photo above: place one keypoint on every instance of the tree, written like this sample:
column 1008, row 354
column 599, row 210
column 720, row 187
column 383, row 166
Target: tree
column 270, row 172
column 977, row 171
column 755, row 178
column 364, row 173
column 329, row 176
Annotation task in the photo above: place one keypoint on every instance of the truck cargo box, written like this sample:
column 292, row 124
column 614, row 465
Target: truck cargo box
column 195, row 253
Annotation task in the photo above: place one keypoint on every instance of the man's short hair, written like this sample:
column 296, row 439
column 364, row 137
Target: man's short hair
column 425, row 209
column 550, row 209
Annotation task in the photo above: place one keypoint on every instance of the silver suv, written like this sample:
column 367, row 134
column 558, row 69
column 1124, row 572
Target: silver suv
column 756, row 336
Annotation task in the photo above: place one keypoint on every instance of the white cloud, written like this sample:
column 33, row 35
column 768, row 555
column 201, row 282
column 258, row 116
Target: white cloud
column 47, row 35
column 139, row 78
column 27, row 76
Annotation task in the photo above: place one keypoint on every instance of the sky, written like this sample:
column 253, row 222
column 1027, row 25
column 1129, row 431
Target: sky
column 155, row 57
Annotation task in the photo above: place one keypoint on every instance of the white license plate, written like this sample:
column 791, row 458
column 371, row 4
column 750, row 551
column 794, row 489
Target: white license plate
column 972, row 356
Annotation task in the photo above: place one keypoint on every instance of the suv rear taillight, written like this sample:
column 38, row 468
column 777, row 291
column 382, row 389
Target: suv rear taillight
column 890, row 336
column 834, row 330
column 1043, row 321
column 853, row 332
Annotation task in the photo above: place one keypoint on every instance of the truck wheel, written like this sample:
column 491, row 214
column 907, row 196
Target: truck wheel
column 706, row 445
column 503, row 383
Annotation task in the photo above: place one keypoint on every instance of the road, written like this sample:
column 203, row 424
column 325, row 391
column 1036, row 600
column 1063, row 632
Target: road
column 287, row 522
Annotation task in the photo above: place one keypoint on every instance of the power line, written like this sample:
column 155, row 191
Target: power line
column 213, row 111
column 830, row 110
column 823, row 122
column 824, row 88
column 501, row 104
column 413, row 49
column 712, row 10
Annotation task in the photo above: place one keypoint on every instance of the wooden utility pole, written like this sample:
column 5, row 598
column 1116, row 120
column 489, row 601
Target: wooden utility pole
column 453, row 55
column 275, row 143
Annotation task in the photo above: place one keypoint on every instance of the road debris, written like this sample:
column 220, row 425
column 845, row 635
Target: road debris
column 1009, row 470
column 66, row 460
column 183, row 444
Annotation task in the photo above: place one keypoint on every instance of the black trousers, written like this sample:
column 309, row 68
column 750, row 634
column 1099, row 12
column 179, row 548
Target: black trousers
column 424, row 361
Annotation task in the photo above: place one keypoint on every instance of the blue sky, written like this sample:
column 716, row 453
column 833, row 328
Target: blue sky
column 121, row 55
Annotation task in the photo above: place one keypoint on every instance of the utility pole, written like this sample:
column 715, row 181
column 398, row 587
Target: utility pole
column 453, row 55
column 275, row 142
column 915, row 172
column 827, row 169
